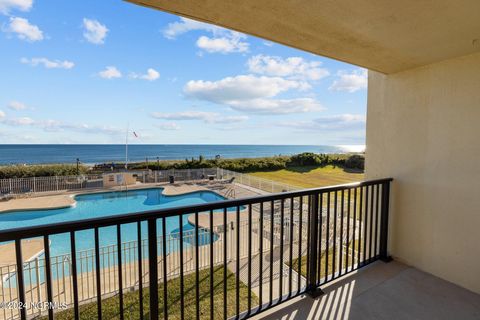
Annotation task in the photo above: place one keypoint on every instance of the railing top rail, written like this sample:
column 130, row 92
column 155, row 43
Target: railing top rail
column 64, row 227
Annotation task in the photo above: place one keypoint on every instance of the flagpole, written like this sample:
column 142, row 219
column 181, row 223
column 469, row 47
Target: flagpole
column 126, row 148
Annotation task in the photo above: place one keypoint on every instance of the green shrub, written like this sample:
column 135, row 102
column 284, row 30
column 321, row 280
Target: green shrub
column 355, row 161
column 25, row 171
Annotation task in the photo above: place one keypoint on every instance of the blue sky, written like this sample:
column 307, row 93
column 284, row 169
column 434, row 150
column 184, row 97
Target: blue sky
column 81, row 71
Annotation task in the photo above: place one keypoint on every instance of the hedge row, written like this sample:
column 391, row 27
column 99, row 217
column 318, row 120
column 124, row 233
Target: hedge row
column 348, row 161
column 25, row 171
column 240, row 165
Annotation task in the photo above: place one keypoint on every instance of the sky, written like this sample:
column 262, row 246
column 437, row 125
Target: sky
column 85, row 71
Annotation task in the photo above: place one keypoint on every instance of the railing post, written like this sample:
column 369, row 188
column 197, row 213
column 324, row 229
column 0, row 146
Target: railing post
column 384, row 223
column 313, row 248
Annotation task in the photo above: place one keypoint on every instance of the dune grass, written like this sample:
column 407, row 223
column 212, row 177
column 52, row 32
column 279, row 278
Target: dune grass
column 110, row 306
column 310, row 177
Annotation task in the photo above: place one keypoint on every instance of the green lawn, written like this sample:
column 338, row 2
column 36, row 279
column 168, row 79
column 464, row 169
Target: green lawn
column 310, row 177
column 110, row 306
column 323, row 261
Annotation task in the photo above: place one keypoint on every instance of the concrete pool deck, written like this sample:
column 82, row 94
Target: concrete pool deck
column 66, row 199
column 41, row 202
column 31, row 248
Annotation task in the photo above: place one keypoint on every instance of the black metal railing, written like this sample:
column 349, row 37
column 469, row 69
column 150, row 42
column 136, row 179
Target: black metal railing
column 246, row 256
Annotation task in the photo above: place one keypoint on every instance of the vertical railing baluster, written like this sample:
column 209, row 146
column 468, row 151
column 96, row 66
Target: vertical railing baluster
column 320, row 227
column 377, row 210
column 140, row 269
column 370, row 250
column 97, row 275
column 120, row 275
column 165, row 272
column 152, row 268
column 348, row 230
column 211, row 264
column 182, row 289
column 365, row 234
column 249, row 261
column 74, row 276
column 237, row 263
column 300, row 223
column 21, row 284
column 290, row 258
column 260, row 259
column 272, row 218
column 335, row 218
column 309, row 227
column 354, row 239
column 327, row 235
column 48, row 275
column 197, row 278
column 225, row 297
column 342, row 207
column 360, row 226
column 280, row 280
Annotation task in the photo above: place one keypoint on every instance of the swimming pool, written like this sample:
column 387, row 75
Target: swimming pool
column 108, row 204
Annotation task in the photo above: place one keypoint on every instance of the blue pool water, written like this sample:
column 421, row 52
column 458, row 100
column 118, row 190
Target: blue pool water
column 109, row 204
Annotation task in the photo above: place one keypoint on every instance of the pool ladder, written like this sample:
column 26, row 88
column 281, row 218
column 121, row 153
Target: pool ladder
column 230, row 193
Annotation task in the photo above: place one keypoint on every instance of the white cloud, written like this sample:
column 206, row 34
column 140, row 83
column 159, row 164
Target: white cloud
column 16, row 105
column 292, row 67
column 253, row 94
column 49, row 64
column 23, row 121
column 268, row 43
column 55, row 125
column 223, row 41
column 207, row 117
column 2, row 114
column 151, row 75
column 24, row 30
column 7, row 5
column 243, row 87
column 185, row 25
column 277, row 106
column 95, row 32
column 110, row 72
column 231, row 42
column 350, row 82
column 335, row 122
column 168, row 126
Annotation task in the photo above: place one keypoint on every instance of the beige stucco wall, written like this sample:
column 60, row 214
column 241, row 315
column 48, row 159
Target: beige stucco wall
column 423, row 129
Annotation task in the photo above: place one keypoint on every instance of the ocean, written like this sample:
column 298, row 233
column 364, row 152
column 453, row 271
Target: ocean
column 92, row 154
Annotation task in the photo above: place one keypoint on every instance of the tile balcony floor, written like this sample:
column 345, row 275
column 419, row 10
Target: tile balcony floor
column 384, row 291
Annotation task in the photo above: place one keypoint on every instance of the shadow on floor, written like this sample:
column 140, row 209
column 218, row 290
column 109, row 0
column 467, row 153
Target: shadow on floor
column 384, row 291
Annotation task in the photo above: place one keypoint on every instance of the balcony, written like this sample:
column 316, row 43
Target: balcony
column 240, row 258
column 299, row 254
